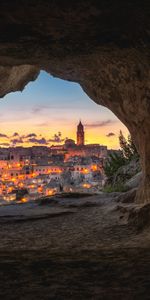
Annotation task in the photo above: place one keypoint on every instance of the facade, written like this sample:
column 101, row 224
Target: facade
column 47, row 169
column 96, row 150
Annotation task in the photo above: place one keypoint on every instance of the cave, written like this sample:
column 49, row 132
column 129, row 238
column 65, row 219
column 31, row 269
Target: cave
column 102, row 45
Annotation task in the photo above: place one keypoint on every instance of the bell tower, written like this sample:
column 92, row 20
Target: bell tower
column 80, row 134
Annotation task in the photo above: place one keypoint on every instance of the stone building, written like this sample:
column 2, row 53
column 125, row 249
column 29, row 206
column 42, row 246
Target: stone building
column 80, row 134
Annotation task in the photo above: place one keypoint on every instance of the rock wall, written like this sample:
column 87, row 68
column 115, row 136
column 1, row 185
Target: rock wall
column 102, row 45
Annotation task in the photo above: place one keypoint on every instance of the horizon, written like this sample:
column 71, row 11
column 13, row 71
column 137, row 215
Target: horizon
column 48, row 111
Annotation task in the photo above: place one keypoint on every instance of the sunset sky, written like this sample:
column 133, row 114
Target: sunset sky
column 48, row 111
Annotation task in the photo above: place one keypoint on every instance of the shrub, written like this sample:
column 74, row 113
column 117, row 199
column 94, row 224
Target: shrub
column 117, row 188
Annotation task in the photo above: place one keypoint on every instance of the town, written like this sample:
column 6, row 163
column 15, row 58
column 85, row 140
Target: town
column 29, row 173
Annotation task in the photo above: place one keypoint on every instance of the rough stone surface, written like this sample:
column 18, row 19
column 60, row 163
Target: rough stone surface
column 15, row 78
column 102, row 45
column 140, row 217
column 83, row 252
column 127, row 197
column 126, row 172
column 134, row 181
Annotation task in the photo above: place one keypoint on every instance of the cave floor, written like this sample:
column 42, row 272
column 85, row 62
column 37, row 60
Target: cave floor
column 73, row 249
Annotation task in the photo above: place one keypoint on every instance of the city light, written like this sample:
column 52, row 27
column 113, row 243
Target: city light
column 86, row 185
column 24, row 200
column 94, row 167
column 50, row 192
column 58, row 166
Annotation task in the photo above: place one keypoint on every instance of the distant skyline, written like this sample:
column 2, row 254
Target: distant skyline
column 48, row 111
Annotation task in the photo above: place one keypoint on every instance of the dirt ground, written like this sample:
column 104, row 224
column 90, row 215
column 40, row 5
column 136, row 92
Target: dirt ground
column 73, row 249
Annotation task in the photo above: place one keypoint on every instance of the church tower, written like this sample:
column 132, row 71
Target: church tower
column 80, row 134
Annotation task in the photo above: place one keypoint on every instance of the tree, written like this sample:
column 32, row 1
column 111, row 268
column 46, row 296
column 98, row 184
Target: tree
column 128, row 147
column 116, row 160
column 133, row 151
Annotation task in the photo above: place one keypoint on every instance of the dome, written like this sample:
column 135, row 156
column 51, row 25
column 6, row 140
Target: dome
column 69, row 143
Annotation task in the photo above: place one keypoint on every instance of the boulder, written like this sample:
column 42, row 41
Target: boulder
column 140, row 217
column 134, row 181
column 125, row 173
column 127, row 197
